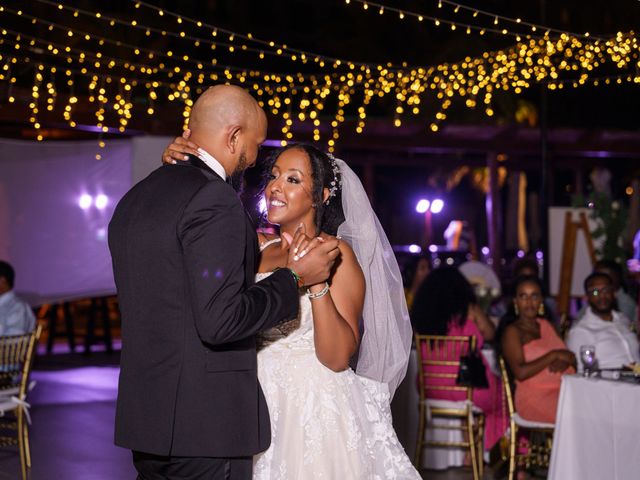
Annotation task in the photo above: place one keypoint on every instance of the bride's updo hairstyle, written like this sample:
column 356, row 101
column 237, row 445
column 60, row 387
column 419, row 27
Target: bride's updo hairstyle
column 325, row 173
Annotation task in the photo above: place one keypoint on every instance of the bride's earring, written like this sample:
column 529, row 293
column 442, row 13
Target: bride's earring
column 515, row 308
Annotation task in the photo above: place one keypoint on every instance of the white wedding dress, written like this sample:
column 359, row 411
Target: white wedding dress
column 324, row 424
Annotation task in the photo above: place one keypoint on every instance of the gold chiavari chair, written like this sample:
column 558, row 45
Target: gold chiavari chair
column 538, row 450
column 438, row 363
column 16, row 358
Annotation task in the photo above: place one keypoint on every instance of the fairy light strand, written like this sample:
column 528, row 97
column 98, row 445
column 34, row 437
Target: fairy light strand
column 110, row 82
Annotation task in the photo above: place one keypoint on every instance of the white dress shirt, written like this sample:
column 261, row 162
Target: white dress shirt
column 212, row 163
column 615, row 343
column 16, row 316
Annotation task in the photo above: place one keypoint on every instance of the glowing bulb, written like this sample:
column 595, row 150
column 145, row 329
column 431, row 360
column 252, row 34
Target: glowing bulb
column 102, row 201
column 262, row 205
column 85, row 201
column 437, row 205
column 423, row 205
column 413, row 248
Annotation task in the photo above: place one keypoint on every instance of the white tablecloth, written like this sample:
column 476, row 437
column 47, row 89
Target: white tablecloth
column 597, row 433
column 404, row 408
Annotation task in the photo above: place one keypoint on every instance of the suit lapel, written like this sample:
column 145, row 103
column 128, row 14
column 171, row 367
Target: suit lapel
column 251, row 252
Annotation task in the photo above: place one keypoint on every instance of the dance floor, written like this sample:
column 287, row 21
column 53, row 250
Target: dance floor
column 73, row 407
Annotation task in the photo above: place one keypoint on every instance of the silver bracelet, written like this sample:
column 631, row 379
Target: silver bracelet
column 321, row 293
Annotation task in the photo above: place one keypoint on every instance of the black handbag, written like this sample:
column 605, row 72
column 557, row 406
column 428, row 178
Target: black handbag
column 471, row 372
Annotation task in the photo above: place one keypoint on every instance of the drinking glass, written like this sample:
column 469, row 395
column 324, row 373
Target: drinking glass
column 588, row 358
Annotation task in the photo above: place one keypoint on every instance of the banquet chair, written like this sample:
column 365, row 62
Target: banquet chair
column 438, row 359
column 540, row 434
column 16, row 358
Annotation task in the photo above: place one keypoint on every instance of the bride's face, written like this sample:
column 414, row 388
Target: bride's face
column 288, row 191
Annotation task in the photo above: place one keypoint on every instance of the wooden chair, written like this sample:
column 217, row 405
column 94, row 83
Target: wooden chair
column 433, row 353
column 16, row 358
column 539, row 447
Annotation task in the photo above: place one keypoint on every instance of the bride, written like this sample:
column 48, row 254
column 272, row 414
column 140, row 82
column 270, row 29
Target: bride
column 328, row 420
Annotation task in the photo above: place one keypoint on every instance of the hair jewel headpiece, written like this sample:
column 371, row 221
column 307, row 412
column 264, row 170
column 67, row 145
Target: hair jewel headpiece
column 336, row 183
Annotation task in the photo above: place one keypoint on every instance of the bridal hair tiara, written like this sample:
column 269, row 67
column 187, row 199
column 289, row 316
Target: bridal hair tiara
column 336, row 183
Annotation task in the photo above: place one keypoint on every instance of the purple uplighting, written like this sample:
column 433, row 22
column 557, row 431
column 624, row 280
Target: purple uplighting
column 414, row 248
column 85, row 201
column 437, row 205
column 101, row 201
column 262, row 205
column 423, row 205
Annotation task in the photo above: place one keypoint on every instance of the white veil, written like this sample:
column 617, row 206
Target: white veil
column 386, row 342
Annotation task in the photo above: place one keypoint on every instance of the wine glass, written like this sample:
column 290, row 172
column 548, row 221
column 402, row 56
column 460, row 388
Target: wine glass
column 588, row 358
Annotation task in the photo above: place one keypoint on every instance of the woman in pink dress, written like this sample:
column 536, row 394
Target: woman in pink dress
column 533, row 351
column 446, row 305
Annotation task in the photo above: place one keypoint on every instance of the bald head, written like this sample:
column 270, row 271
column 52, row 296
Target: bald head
column 228, row 122
column 221, row 106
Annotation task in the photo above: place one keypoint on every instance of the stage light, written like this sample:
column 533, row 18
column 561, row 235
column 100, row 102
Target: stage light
column 85, row 201
column 433, row 248
column 101, row 201
column 413, row 248
column 423, row 205
column 437, row 205
column 485, row 251
column 262, row 205
column 520, row 253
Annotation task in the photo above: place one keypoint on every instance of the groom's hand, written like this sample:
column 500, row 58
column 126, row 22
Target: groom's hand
column 312, row 258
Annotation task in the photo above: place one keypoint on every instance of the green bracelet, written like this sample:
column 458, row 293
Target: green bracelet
column 297, row 278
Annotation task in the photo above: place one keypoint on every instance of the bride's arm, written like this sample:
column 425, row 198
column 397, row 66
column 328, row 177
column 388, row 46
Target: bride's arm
column 179, row 148
column 336, row 314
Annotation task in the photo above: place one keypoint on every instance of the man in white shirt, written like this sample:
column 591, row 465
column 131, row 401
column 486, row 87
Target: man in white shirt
column 603, row 327
column 16, row 316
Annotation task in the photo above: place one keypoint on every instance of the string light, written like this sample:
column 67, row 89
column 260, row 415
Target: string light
column 496, row 19
column 81, row 63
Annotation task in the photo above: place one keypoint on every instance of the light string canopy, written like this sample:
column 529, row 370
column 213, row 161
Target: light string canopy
column 74, row 63
column 485, row 22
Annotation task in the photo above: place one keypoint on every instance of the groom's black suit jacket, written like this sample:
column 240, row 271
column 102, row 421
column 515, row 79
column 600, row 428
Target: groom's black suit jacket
column 184, row 258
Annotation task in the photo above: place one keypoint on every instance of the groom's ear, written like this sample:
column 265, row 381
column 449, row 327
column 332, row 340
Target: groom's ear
column 233, row 134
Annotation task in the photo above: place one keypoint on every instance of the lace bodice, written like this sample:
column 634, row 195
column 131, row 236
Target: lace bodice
column 297, row 331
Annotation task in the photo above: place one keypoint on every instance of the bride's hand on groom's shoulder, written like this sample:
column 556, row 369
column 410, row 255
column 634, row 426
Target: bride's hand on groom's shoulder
column 179, row 149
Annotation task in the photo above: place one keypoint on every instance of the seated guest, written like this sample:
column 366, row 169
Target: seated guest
column 623, row 302
column 522, row 267
column 446, row 305
column 16, row 316
column 534, row 353
column 602, row 326
column 626, row 303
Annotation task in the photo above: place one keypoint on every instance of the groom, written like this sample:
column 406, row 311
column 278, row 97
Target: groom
column 184, row 258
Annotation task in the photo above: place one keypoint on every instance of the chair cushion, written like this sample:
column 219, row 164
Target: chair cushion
column 450, row 404
column 7, row 405
column 521, row 422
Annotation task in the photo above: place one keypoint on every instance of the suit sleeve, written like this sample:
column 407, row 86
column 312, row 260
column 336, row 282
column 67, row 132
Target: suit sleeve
column 212, row 232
